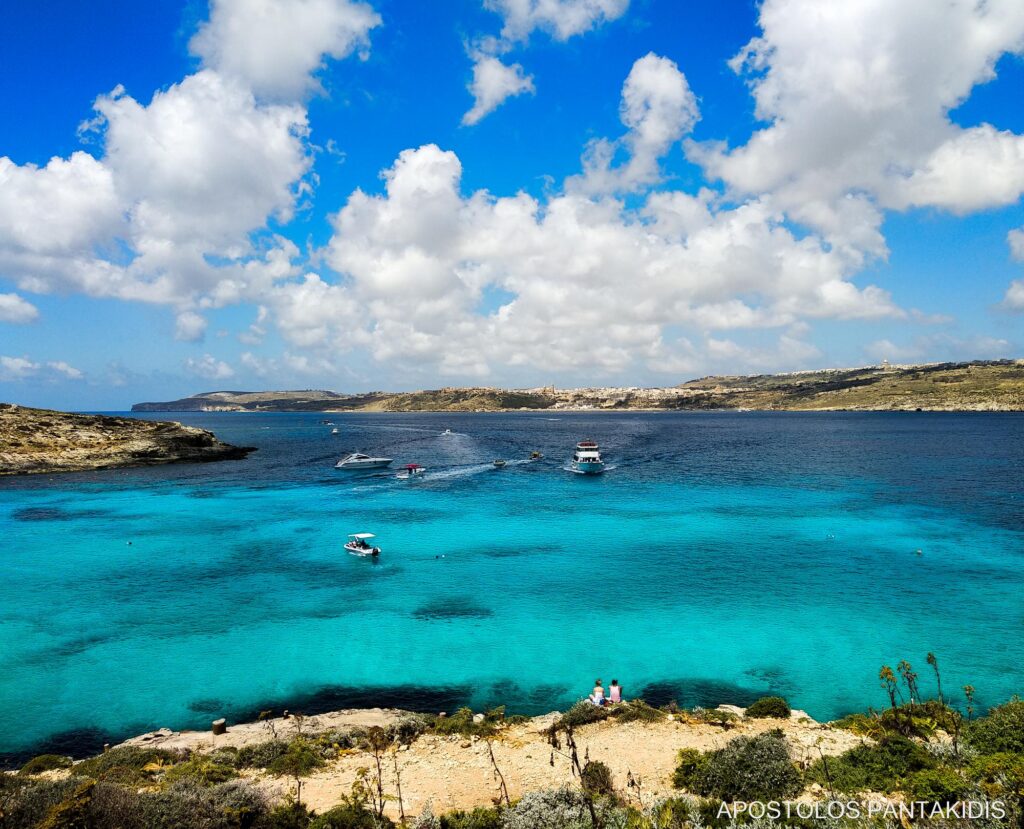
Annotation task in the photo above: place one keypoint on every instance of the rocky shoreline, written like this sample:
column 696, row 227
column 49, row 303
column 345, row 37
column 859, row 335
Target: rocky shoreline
column 38, row 441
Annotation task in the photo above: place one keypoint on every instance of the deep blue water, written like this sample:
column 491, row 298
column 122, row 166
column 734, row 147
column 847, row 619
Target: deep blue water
column 722, row 556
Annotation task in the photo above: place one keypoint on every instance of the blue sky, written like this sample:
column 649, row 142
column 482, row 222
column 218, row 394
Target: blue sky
column 641, row 209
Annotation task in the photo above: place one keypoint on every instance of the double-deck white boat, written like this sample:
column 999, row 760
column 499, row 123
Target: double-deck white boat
column 586, row 460
column 357, row 460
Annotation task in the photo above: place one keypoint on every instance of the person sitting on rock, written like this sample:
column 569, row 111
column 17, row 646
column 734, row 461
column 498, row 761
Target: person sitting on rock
column 597, row 695
column 615, row 692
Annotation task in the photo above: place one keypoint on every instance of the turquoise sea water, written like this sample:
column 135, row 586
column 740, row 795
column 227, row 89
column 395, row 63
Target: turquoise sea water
column 721, row 557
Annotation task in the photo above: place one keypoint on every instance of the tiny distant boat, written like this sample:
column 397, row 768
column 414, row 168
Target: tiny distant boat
column 446, row 432
column 499, row 464
column 334, row 431
column 357, row 460
column 411, row 470
column 327, row 422
column 535, row 456
column 359, row 546
column 586, row 460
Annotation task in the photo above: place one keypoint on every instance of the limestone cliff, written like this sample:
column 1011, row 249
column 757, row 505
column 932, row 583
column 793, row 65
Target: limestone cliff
column 41, row 440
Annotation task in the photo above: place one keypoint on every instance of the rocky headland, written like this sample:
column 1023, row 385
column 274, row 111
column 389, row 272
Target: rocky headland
column 42, row 441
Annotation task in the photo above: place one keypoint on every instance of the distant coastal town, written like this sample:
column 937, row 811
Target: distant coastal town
column 996, row 385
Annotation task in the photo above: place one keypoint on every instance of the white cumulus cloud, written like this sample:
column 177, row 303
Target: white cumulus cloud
column 561, row 18
column 209, row 368
column 275, row 48
column 494, row 82
column 16, row 309
column 857, row 97
column 190, row 327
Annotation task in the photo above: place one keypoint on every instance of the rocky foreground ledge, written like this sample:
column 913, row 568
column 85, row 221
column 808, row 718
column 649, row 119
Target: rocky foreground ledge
column 36, row 441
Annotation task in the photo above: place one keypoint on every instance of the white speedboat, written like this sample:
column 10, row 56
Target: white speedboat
column 499, row 464
column 447, row 432
column 586, row 460
column 411, row 470
column 334, row 431
column 359, row 545
column 357, row 460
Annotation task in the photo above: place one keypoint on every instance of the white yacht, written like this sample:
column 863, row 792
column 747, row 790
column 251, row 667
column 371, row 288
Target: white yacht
column 586, row 460
column 357, row 460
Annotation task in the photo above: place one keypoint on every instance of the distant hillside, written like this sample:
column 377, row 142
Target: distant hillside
column 977, row 386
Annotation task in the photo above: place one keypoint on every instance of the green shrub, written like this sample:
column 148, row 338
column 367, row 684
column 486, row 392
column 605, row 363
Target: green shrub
column 479, row 818
column 260, row 755
column 582, row 713
column 714, row 716
column 1002, row 730
column 25, row 801
column 129, row 765
column 349, row 816
column 72, row 813
column 999, row 774
column 636, row 710
column 597, row 780
column 233, row 805
column 554, row 809
column 774, row 707
column 46, row 762
column 200, row 769
column 299, row 759
column 407, row 729
column 226, row 756
column 691, row 764
column 750, row 768
column 939, row 785
column 881, row 767
column 461, row 723
column 288, row 815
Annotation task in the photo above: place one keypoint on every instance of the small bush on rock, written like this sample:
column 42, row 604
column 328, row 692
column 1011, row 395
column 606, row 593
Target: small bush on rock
column 880, row 768
column 713, row 716
column 1002, row 730
column 554, row 809
column 636, row 710
column 582, row 713
column 46, row 762
column 941, row 785
column 260, row 755
column 690, row 767
column 479, row 818
column 350, row 816
column 775, row 707
column 129, row 765
column 288, row 815
column 461, row 723
column 201, row 770
column 597, row 779
column 750, row 768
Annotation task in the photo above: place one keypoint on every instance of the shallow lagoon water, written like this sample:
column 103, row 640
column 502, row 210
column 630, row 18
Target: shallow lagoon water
column 725, row 555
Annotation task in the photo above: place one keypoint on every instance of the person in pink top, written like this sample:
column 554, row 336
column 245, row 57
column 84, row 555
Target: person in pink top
column 615, row 691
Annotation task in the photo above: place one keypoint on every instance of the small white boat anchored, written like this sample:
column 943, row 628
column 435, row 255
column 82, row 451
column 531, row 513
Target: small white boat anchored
column 359, row 545
column 586, row 460
column 447, row 432
column 411, row 470
column 357, row 460
column 334, row 431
